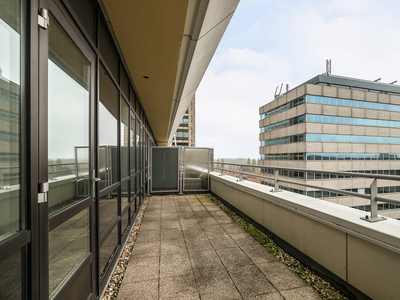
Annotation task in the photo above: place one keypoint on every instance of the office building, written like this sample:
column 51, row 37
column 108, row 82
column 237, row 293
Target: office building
column 185, row 134
column 86, row 88
column 335, row 123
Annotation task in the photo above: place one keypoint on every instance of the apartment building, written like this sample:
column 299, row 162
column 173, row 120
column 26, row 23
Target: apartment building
column 185, row 134
column 338, row 124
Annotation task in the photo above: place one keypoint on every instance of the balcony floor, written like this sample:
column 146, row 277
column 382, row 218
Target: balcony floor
column 187, row 248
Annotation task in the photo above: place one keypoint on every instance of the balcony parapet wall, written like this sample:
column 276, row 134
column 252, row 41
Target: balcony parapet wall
column 364, row 255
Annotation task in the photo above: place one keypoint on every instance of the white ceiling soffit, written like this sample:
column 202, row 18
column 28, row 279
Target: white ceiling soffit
column 204, row 29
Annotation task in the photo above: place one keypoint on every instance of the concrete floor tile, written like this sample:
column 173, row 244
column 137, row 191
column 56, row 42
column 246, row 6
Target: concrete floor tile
column 205, row 259
column 175, row 265
column 233, row 258
column 250, row 281
column 173, row 247
column 222, row 242
column 151, row 218
column 171, row 234
column 258, row 254
column 187, row 215
column 149, row 236
column 281, row 277
column 179, row 287
column 170, row 224
column 150, row 225
column 244, row 239
column 199, row 244
column 271, row 296
column 215, row 283
column 198, row 208
column 146, row 249
column 144, row 290
column 208, row 222
column 142, row 269
column 193, row 233
column 232, row 228
column 301, row 293
column 202, row 214
column 186, row 223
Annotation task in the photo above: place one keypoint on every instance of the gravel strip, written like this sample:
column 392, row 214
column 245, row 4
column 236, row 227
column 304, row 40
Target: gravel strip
column 112, row 290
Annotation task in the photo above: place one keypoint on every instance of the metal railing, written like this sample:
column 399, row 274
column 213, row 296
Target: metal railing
column 373, row 196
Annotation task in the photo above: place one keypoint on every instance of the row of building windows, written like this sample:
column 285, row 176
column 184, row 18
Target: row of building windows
column 9, row 116
column 6, row 156
column 283, row 124
column 346, row 138
column 283, row 140
column 282, row 108
column 366, row 191
column 330, row 120
column 326, row 194
column 352, row 156
column 4, row 94
column 330, row 156
column 182, row 134
column 319, row 176
column 9, row 137
column 382, row 206
column 334, row 138
column 330, row 101
column 351, row 121
column 351, row 103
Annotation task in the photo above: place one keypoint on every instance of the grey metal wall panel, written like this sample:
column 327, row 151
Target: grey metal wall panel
column 171, row 168
column 158, row 168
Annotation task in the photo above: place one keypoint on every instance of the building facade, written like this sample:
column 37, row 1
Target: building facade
column 87, row 87
column 338, row 124
column 185, row 134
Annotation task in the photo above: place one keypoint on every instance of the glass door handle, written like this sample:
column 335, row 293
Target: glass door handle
column 96, row 179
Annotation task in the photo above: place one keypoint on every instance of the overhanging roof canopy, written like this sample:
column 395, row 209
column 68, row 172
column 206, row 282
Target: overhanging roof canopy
column 171, row 43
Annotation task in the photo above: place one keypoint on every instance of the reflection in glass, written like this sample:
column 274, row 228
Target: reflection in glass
column 124, row 139
column 196, row 169
column 107, row 250
column 133, row 194
column 68, row 246
column 132, row 142
column 10, row 277
column 10, row 99
column 124, row 194
column 68, row 120
column 124, row 222
column 108, row 124
column 107, row 209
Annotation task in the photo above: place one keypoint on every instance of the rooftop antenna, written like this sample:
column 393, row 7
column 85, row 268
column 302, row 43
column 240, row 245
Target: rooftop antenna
column 287, row 87
column 280, row 90
column 377, row 80
column 328, row 66
column 276, row 90
column 393, row 82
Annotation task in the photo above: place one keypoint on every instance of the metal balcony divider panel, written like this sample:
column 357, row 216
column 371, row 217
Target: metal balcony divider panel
column 165, row 169
column 196, row 166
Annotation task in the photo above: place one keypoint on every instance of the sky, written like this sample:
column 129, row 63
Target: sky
column 268, row 43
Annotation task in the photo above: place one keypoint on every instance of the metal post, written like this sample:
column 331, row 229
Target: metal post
column 276, row 177
column 240, row 173
column 374, row 204
column 222, row 169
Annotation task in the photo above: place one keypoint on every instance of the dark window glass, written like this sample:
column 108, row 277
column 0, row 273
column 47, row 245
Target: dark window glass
column 124, row 194
column 108, row 250
column 11, row 276
column 124, row 222
column 107, row 50
column 132, row 142
column 68, row 246
column 124, row 139
column 107, row 209
column 85, row 10
column 124, row 82
column 10, row 99
column 108, row 116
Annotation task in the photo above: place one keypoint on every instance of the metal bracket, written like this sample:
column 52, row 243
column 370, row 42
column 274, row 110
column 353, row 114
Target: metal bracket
column 43, row 189
column 373, row 220
column 43, row 18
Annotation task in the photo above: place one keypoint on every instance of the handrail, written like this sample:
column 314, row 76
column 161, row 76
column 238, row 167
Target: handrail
column 373, row 197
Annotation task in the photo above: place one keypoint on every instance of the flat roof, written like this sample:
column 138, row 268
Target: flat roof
column 340, row 81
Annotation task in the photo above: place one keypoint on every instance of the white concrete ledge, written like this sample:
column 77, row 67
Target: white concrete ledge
column 365, row 255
